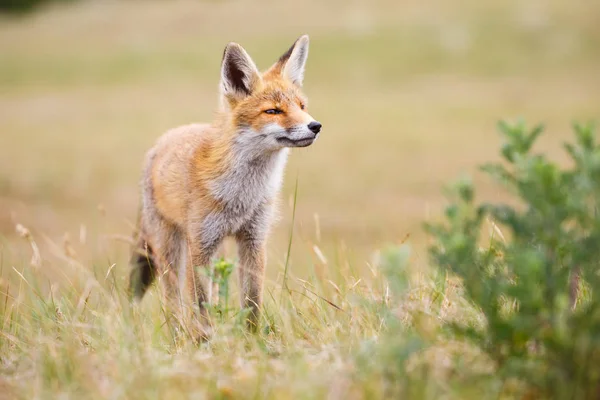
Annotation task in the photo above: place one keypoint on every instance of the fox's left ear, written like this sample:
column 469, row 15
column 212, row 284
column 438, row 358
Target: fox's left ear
column 292, row 63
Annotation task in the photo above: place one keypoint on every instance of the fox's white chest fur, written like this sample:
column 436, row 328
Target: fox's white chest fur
column 252, row 182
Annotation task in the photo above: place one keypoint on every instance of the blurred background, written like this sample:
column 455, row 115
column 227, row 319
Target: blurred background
column 409, row 94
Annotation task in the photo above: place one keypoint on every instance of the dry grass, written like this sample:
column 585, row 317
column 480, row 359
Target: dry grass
column 408, row 93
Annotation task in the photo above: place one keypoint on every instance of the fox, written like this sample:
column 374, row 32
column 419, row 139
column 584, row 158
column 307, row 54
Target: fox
column 204, row 182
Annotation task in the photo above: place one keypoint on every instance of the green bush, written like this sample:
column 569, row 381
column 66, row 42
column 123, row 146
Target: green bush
column 536, row 280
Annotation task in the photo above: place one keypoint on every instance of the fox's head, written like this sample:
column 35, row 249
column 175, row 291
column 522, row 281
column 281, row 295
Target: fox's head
column 268, row 109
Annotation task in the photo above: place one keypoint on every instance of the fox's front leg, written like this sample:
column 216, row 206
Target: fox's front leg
column 251, row 240
column 204, row 238
column 253, row 259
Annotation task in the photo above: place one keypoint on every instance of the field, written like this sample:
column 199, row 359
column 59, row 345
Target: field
column 409, row 94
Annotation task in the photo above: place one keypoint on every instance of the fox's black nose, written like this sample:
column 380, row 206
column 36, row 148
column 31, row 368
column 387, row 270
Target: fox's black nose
column 315, row 127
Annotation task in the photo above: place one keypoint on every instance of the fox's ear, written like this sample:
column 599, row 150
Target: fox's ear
column 292, row 63
column 239, row 74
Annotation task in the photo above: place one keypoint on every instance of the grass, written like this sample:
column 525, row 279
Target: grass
column 69, row 331
column 408, row 93
column 82, row 338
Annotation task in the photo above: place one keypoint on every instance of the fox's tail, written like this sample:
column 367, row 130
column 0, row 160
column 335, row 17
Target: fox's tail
column 143, row 268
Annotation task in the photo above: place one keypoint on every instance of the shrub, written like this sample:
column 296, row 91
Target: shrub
column 537, row 288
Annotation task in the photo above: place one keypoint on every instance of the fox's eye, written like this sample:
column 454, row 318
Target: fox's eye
column 302, row 106
column 274, row 111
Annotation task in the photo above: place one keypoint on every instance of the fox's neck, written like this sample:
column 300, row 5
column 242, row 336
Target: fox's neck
column 252, row 171
column 251, row 158
column 238, row 145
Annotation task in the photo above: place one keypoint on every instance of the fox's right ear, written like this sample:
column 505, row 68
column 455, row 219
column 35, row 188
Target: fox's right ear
column 239, row 75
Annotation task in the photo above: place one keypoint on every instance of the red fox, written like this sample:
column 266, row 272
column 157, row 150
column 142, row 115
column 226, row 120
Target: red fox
column 204, row 182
